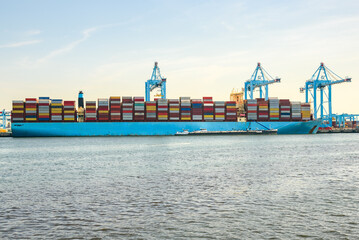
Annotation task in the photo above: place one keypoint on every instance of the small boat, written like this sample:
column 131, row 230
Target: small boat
column 183, row 133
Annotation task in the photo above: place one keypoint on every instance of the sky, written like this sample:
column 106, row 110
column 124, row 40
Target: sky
column 204, row 48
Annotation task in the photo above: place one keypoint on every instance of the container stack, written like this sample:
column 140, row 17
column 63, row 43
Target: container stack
column 296, row 111
column 231, row 111
column 31, row 109
column 139, row 108
column 252, row 110
column 102, row 110
column 162, row 109
column 127, row 109
column 151, row 111
column 69, row 111
column 56, row 110
column 43, row 109
column 284, row 105
column 219, row 110
column 115, row 109
column 174, row 109
column 208, row 109
column 273, row 109
column 17, row 114
column 185, row 108
column 305, row 108
column 197, row 110
column 263, row 112
column 90, row 113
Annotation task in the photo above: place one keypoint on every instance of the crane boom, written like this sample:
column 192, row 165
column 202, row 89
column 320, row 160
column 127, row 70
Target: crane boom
column 259, row 79
column 156, row 81
column 322, row 81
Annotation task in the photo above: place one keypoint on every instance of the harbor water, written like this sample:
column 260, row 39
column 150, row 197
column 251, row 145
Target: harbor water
column 184, row 187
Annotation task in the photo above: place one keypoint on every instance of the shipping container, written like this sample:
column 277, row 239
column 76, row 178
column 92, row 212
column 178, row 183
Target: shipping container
column 208, row 109
column 162, row 109
column 115, row 108
column 231, row 111
column 56, row 110
column 185, row 108
column 197, row 109
column 127, row 109
column 139, row 108
column 18, row 111
column 70, row 111
column 90, row 111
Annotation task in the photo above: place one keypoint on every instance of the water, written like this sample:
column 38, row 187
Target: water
column 188, row 187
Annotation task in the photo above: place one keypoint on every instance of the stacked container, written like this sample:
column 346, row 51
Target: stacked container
column 296, row 111
column 273, row 109
column 151, row 111
column 102, row 110
column 90, row 113
column 174, row 109
column 231, row 111
column 162, row 109
column 17, row 114
column 115, row 108
column 252, row 110
column 219, row 110
column 30, row 109
column 305, row 108
column 69, row 111
column 56, row 110
column 197, row 110
column 263, row 112
column 127, row 109
column 139, row 108
column 284, row 105
column 208, row 109
column 185, row 108
column 44, row 109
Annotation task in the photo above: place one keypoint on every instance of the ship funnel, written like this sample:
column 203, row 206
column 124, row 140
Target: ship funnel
column 81, row 100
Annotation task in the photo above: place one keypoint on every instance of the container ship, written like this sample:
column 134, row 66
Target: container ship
column 133, row 116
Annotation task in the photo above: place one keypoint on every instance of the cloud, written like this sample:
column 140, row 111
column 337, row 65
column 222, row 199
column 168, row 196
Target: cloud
column 19, row 44
column 85, row 35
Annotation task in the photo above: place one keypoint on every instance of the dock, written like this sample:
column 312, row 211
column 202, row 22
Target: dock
column 339, row 130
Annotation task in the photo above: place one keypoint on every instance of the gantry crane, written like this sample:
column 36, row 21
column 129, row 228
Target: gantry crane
column 156, row 81
column 4, row 118
column 259, row 79
column 341, row 119
column 322, row 80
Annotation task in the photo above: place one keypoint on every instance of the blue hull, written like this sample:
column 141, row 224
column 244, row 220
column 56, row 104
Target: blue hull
column 77, row 129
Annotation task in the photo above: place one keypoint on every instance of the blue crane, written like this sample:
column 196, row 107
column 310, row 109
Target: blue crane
column 322, row 80
column 342, row 118
column 156, row 81
column 4, row 117
column 259, row 79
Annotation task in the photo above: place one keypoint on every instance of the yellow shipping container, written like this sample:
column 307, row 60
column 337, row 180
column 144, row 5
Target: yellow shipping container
column 69, row 111
column 56, row 104
column 18, row 111
column 102, row 111
column 30, row 109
